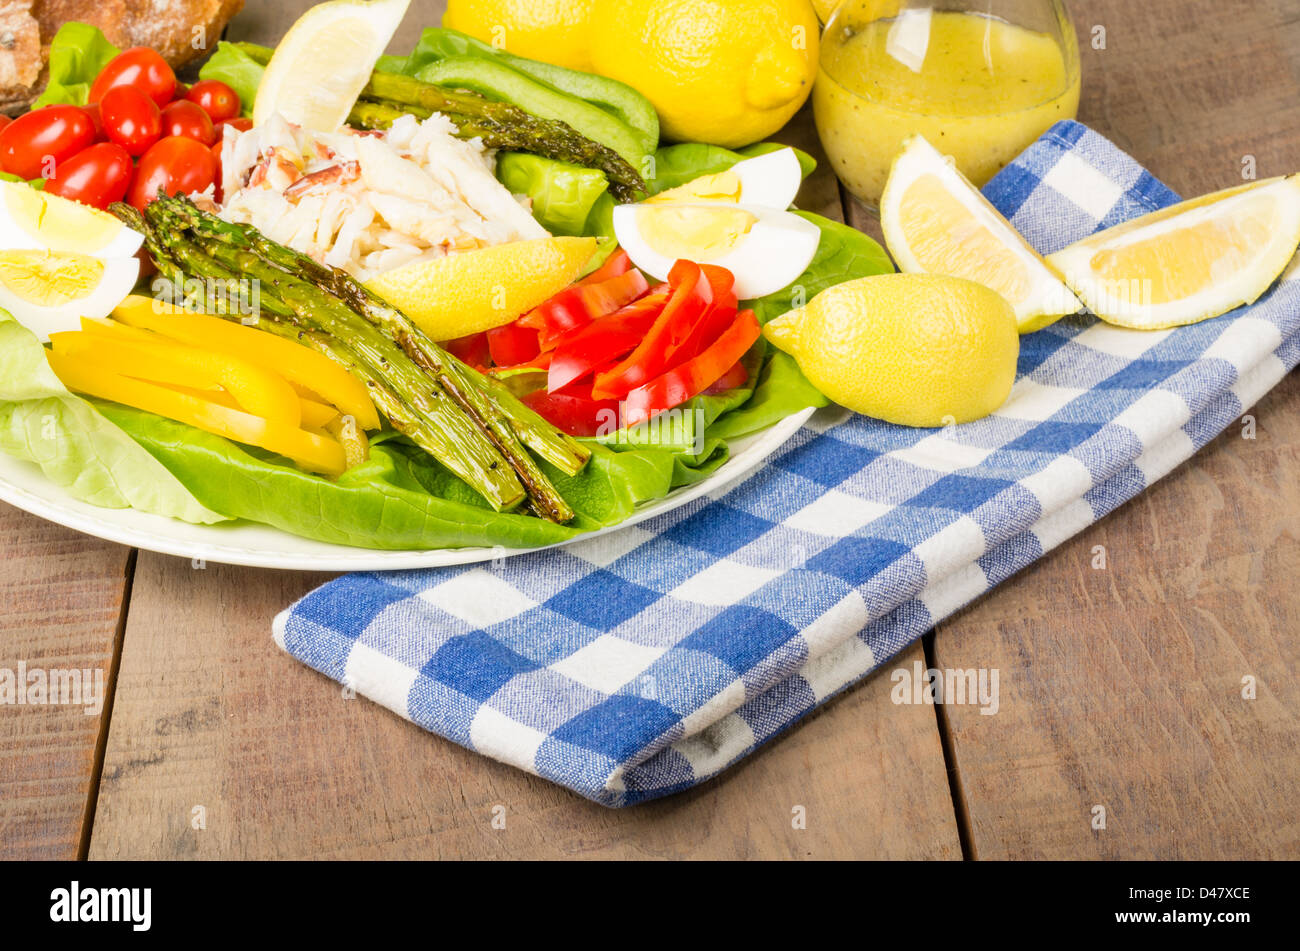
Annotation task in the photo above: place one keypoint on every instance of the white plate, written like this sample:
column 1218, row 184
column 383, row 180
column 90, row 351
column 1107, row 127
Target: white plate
column 244, row 543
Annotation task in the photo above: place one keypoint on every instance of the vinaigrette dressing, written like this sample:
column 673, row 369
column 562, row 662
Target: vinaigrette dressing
column 979, row 88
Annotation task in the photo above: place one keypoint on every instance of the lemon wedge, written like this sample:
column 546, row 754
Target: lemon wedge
column 477, row 290
column 1189, row 262
column 325, row 60
column 936, row 222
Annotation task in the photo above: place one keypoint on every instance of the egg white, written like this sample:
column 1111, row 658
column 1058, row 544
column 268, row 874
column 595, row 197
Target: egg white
column 771, row 180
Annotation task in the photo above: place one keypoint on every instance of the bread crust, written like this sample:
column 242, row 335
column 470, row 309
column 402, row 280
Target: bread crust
column 181, row 30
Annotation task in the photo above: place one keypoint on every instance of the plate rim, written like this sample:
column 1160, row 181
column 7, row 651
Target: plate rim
column 88, row 519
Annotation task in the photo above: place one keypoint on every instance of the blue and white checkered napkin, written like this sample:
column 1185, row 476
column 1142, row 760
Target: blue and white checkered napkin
column 641, row 663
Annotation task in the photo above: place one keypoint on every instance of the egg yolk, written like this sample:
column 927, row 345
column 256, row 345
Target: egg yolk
column 47, row 279
column 59, row 224
column 725, row 186
column 693, row 232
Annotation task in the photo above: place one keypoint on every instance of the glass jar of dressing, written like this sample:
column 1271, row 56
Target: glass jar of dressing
column 980, row 79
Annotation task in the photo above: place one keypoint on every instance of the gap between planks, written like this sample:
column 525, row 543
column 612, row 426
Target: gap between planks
column 106, row 716
column 857, row 215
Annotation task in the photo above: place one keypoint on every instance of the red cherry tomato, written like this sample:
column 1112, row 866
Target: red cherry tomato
column 218, row 193
column 33, row 145
column 186, row 119
column 240, row 125
column 131, row 119
column 215, row 98
column 140, row 67
column 175, row 165
column 4, row 121
column 99, row 175
column 96, row 121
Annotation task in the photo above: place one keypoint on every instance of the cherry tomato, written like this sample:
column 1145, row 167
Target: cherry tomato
column 216, row 152
column 131, row 119
column 96, row 121
column 174, row 165
column 140, row 67
column 185, row 118
column 99, row 175
column 240, row 125
column 37, row 142
column 4, row 121
column 215, row 98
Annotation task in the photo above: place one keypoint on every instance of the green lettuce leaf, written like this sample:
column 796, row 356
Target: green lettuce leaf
column 401, row 499
column 76, row 447
column 390, row 64
column 782, row 391
column 232, row 66
column 77, row 54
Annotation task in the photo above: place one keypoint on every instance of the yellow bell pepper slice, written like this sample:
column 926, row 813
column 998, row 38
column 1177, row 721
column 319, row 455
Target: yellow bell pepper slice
column 258, row 391
column 309, row 450
column 315, row 415
column 295, row 362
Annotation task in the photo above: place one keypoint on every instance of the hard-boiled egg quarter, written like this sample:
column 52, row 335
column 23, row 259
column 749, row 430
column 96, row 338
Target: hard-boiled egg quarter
column 48, row 291
column 764, row 248
column 61, row 260
column 32, row 220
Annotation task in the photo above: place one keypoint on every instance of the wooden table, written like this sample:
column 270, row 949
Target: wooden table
column 1121, row 688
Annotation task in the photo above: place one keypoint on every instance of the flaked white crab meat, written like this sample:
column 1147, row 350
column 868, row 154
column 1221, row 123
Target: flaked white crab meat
column 368, row 203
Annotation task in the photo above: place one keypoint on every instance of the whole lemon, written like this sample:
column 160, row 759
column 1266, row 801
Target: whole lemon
column 915, row 349
column 726, row 72
column 825, row 8
column 553, row 31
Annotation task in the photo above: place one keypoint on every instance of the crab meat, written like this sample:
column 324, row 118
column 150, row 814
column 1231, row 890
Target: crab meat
column 342, row 174
column 370, row 201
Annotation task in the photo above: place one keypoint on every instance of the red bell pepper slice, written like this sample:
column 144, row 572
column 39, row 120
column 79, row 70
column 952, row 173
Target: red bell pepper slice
column 605, row 340
column 512, row 345
column 472, row 350
column 580, row 304
column 695, row 375
column 736, row 376
column 714, row 321
column 616, row 264
column 575, row 411
column 691, row 299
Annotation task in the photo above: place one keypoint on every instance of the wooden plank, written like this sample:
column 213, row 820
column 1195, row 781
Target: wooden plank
column 265, row 23
column 1122, row 687
column 211, row 714
column 1194, row 88
column 61, row 594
